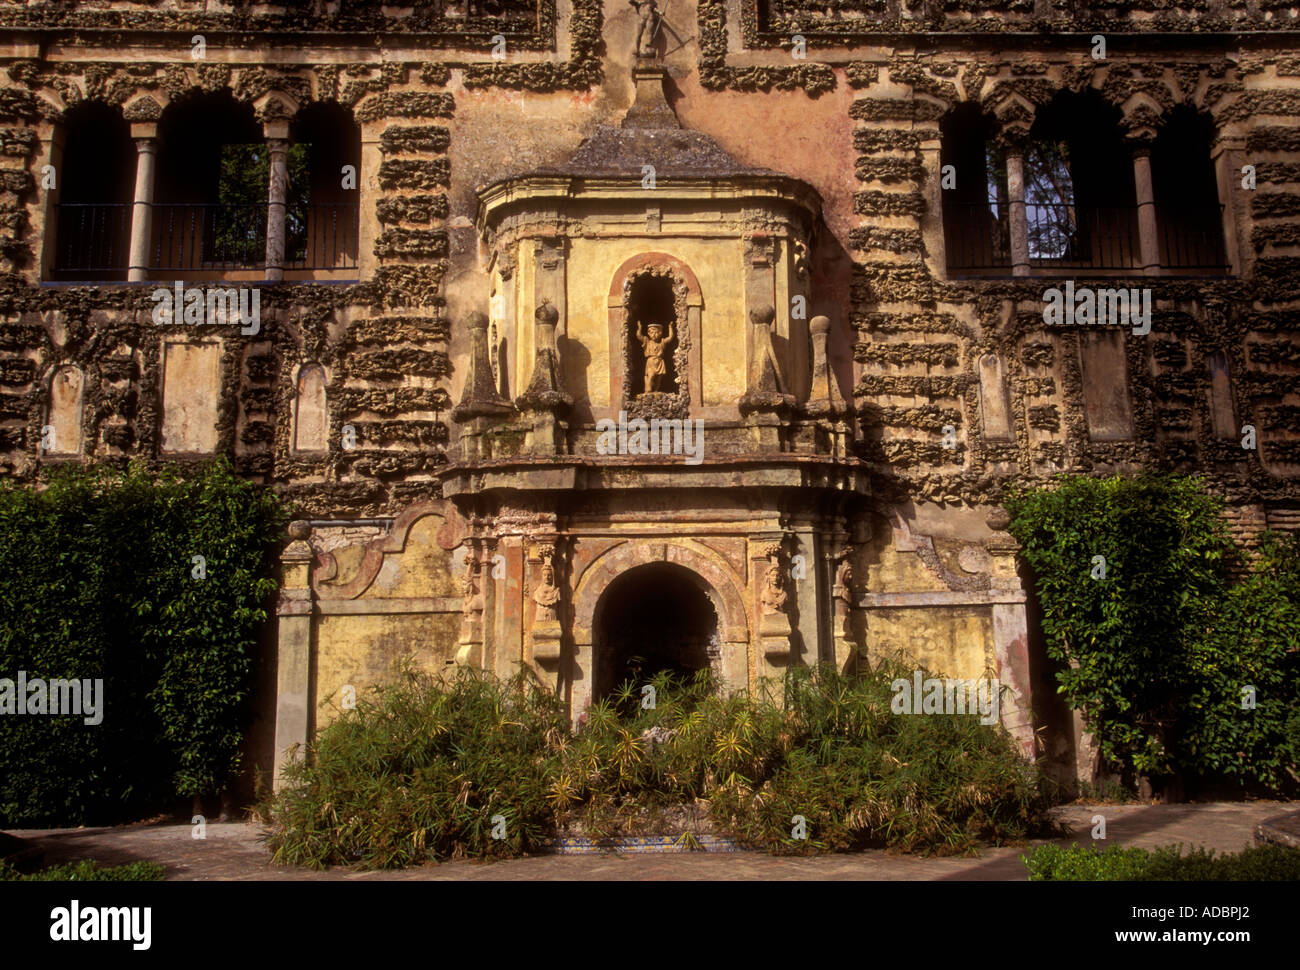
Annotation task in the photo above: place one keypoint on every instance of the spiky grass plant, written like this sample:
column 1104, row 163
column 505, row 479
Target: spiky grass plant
column 431, row 768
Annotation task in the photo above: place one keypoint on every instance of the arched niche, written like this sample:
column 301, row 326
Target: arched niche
column 62, row 432
column 994, row 406
column 310, row 414
column 636, row 276
column 1222, row 414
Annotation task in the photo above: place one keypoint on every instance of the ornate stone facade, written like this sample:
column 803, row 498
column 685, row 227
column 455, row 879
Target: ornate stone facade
column 844, row 398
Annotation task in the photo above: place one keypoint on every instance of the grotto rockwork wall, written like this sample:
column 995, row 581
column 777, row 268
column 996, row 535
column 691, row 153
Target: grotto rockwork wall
column 957, row 386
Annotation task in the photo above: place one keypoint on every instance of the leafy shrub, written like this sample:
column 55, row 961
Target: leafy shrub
column 86, row 870
column 1252, row 640
column 1155, row 653
column 419, row 772
column 1267, row 863
column 100, row 583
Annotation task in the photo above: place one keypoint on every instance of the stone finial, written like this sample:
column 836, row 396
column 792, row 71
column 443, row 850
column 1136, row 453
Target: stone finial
column 546, row 388
column 824, row 397
column 766, row 390
column 480, row 398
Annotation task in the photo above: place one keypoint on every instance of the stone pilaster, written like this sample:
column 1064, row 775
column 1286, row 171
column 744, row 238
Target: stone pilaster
column 548, row 599
column 1011, row 635
column 293, row 664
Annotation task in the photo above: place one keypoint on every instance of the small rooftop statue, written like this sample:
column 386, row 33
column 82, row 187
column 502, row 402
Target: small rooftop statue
column 647, row 29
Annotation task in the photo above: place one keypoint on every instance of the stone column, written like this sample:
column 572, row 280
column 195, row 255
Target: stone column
column 277, row 143
column 293, row 699
column 146, row 143
column 1148, row 238
column 1019, row 220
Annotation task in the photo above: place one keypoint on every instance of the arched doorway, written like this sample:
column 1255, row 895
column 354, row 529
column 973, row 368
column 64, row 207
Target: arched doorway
column 653, row 618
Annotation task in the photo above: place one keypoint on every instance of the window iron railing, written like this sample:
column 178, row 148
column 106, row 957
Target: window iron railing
column 208, row 236
column 1074, row 237
column 95, row 239
column 92, row 237
column 322, row 236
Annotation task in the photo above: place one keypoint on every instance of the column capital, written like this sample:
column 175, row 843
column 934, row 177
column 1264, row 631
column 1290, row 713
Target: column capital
column 144, row 133
column 276, row 129
column 1013, row 137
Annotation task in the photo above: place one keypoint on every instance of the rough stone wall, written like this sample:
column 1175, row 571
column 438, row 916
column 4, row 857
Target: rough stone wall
column 876, row 88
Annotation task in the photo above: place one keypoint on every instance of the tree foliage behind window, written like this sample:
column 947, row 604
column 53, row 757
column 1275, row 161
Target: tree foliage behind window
column 1050, row 201
column 239, row 227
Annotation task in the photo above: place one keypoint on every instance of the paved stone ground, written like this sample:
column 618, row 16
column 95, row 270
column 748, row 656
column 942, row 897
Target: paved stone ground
column 235, row 851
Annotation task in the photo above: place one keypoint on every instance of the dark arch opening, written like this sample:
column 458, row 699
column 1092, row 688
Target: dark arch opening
column 976, row 220
column 653, row 618
column 95, row 194
column 1080, row 198
column 651, row 303
column 321, row 218
column 1188, row 214
column 211, row 188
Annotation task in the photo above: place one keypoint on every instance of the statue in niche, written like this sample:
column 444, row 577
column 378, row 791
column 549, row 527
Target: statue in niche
column 844, row 581
column 647, row 28
column 774, row 595
column 653, row 346
column 469, row 585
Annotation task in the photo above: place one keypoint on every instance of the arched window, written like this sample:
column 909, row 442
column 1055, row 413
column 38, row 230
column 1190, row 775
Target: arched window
column 211, row 191
column 94, row 181
column 321, row 218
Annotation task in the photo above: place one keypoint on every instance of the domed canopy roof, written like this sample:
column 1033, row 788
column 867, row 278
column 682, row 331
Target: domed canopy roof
column 650, row 134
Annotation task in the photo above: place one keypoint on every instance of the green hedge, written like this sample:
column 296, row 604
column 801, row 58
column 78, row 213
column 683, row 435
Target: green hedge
column 1158, row 649
column 87, row 870
column 1266, row 863
column 100, row 581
